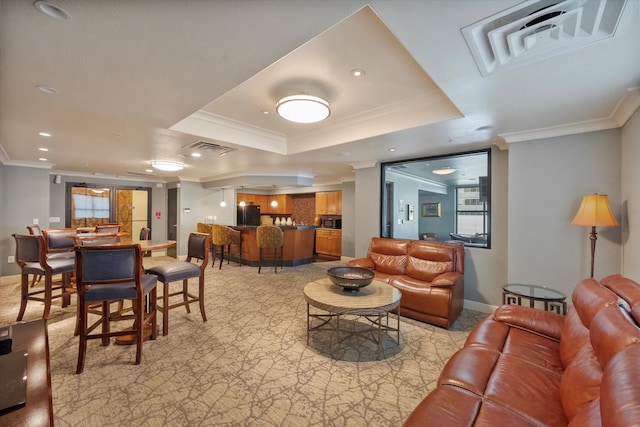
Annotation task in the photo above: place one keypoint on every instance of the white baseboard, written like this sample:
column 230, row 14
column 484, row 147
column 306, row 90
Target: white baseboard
column 479, row 306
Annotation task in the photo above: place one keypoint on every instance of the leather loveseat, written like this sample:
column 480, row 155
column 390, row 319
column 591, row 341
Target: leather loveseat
column 527, row 367
column 429, row 274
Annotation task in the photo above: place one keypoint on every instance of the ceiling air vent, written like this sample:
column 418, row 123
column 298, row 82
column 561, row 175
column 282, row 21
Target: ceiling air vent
column 538, row 29
column 205, row 147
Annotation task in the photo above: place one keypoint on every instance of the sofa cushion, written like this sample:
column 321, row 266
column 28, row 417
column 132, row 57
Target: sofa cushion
column 611, row 331
column 627, row 289
column 589, row 297
column 426, row 261
column 574, row 336
column 580, row 384
column 389, row 255
column 527, row 389
column 619, row 391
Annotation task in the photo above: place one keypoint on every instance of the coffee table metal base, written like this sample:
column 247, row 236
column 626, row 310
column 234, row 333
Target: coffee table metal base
column 379, row 323
column 373, row 304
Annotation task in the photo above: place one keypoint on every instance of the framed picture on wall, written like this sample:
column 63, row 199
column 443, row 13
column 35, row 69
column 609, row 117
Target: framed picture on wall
column 431, row 209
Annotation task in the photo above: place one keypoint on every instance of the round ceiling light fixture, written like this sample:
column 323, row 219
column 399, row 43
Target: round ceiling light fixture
column 167, row 166
column 444, row 171
column 52, row 10
column 303, row 108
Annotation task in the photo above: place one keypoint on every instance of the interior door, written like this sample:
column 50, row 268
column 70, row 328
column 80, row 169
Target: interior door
column 388, row 210
column 172, row 219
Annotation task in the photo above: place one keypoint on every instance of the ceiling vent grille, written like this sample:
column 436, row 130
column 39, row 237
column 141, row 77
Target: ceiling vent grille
column 205, row 147
column 538, row 29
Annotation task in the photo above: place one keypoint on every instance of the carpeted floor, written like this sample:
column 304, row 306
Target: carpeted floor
column 248, row 365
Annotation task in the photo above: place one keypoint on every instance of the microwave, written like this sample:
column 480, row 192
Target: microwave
column 332, row 223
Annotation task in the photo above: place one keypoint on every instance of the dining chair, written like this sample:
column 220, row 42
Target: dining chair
column 222, row 236
column 107, row 228
column 60, row 242
column 31, row 256
column 107, row 273
column 145, row 234
column 270, row 237
column 36, row 231
column 197, row 250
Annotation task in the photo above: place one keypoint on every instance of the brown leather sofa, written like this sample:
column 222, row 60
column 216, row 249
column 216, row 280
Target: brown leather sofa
column 429, row 274
column 527, row 367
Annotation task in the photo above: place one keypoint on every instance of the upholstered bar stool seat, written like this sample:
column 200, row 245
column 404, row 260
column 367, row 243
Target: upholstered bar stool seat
column 175, row 271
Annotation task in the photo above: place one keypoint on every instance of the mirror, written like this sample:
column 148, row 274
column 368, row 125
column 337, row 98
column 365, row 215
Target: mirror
column 444, row 198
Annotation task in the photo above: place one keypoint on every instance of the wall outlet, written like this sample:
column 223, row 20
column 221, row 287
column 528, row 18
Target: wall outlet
column 11, row 259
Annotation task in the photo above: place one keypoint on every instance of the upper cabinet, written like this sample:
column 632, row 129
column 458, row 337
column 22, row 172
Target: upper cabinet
column 285, row 205
column 329, row 203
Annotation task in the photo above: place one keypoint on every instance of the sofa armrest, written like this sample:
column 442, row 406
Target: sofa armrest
column 530, row 319
column 446, row 279
column 362, row 262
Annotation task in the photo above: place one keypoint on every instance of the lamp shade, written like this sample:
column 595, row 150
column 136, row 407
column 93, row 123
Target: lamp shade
column 595, row 211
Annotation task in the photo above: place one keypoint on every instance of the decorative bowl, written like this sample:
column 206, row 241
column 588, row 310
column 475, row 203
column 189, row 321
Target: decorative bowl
column 351, row 278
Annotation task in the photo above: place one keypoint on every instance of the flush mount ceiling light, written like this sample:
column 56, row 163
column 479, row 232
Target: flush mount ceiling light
column 52, row 10
column 303, row 108
column 167, row 166
column 48, row 90
column 444, row 171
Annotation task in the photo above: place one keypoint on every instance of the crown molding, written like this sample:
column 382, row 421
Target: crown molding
column 212, row 126
column 623, row 110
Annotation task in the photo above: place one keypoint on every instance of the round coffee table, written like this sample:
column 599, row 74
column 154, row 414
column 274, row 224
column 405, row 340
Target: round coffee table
column 553, row 300
column 373, row 302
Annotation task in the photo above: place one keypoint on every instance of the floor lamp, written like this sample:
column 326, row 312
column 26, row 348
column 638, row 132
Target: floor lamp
column 595, row 211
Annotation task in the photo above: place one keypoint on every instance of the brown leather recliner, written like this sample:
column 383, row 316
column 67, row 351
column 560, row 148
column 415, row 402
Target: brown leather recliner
column 429, row 274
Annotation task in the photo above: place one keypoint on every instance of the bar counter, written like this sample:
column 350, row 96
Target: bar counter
column 299, row 243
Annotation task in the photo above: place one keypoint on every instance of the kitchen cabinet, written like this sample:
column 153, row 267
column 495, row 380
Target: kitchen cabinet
column 285, row 204
column 329, row 203
column 329, row 242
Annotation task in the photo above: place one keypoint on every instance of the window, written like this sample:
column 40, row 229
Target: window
column 471, row 212
column 88, row 205
column 450, row 194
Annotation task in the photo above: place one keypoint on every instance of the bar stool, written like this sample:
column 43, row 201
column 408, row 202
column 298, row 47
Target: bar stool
column 270, row 237
column 222, row 236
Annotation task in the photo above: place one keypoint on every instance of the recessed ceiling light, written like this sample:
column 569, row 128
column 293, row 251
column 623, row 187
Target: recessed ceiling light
column 52, row 10
column 392, row 149
column 48, row 90
column 303, row 108
column 265, row 112
column 42, row 159
column 148, row 170
column 44, row 134
column 357, row 72
column 43, row 149
column 444, row 171
column 167, row 166
column 196, row 155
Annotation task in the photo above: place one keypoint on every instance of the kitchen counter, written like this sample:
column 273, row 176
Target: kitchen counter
column 299, row 241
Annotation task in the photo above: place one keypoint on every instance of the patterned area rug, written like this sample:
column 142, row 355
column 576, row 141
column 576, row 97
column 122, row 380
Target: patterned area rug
column 248, row 365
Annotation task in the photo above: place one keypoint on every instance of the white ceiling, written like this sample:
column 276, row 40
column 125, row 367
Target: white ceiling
column 140, row 80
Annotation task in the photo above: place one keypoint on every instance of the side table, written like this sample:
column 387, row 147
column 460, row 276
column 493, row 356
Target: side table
column 553, row 300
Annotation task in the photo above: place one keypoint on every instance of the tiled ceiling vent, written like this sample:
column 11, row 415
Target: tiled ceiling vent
column 538, row 29
column 205, row 147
